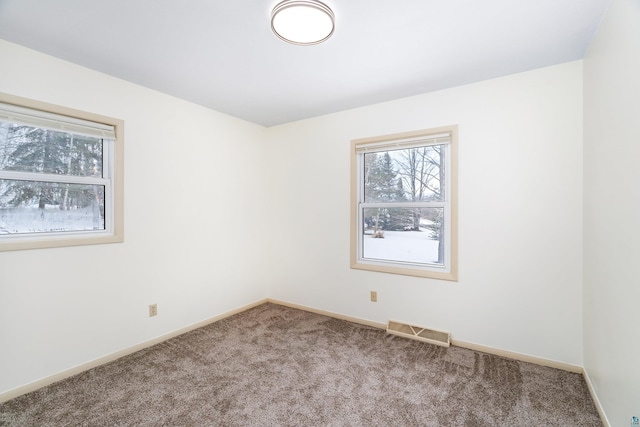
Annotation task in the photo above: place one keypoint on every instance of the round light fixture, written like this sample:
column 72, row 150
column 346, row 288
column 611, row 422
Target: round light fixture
column 302, row 22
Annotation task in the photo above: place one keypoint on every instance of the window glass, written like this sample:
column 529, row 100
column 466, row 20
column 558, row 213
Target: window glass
column 45, row 207
column 412, row 174
column 389, row 235
column 38, row 150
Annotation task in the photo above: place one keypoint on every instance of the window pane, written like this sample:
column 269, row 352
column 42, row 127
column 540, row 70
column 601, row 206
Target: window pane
column 410, row 235
column 411, row 174
column 39, row 207
column 31, row 149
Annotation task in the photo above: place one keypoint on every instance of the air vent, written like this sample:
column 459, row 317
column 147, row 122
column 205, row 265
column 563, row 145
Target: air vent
column 419, row 333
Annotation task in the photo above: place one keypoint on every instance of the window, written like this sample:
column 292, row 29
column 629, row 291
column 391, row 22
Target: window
column 403, row 193
column 61, row 176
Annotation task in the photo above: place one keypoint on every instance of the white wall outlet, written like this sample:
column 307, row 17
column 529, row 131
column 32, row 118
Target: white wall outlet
column 153, row 310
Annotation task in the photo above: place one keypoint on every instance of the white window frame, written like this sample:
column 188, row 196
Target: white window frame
column 447, row 136
column 57, row 117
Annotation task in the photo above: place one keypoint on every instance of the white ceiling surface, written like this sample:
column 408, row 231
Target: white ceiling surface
column 223, row 55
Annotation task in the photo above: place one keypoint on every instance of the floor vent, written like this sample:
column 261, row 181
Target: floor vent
column 432, row 336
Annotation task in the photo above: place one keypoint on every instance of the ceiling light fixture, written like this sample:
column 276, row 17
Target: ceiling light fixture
column 302, row 22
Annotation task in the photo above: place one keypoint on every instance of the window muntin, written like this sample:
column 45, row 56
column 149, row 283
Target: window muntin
column 60, row 176
column 403, row 201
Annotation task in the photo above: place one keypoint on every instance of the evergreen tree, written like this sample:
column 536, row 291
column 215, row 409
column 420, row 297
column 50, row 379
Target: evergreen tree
column 36, row 150
column 383, row 185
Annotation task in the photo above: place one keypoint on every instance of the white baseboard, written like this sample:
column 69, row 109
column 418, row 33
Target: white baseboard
column 8, row 395
column 330, row 314
column 518, row 356
column 596, row 401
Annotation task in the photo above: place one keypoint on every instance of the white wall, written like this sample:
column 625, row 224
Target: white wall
column 612, row 211
column 189, row 228
column 520, row 223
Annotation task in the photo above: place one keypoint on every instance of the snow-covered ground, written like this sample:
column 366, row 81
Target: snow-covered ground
column 406, row 246
column 34, row 220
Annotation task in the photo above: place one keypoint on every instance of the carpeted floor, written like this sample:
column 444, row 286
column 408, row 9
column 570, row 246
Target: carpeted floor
column 277, row 366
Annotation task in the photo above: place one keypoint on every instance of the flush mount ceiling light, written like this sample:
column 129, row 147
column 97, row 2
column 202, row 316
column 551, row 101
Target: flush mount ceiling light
column 302, row 22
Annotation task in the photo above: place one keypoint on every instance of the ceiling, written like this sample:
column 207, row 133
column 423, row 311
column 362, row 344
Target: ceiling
column 223, row 55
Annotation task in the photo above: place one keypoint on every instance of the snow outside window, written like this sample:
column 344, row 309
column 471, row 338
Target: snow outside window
column 404, row 203
column 59, row 176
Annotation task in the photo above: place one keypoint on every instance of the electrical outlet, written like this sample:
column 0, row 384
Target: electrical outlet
column 153, row 310
column 374, row 296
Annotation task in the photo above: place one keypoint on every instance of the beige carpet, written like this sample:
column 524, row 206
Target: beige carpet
column 277, row 366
